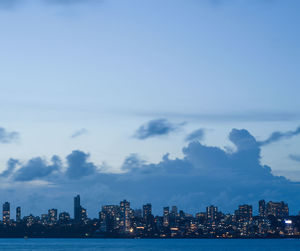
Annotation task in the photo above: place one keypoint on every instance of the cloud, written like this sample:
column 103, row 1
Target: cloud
column 133, row 161
column 155, row 128
column 37, row 168
column 8, row 137
column 79, row 133
column 196, row 135
column 11, row 166
column 295, row 157
column 78, row 166
column 277, row 136
column 204, row 175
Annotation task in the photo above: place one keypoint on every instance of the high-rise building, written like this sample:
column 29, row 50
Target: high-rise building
column 211, row 213
column 110, row 218
column 277, row 209
column 262, row 208
column 52, row 215
column 18, row 214
column 83, row 215
column 77, row 209
column 125, row 216
column 147, row 211
column 174, row 211
column 166, row 216
column 6, row 212
column 244, row 213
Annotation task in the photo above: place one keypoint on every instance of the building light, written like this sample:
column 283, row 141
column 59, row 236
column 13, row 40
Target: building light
column 288, row 222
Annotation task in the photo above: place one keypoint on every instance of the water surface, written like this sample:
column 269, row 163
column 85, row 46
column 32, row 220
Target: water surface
column 149, row 244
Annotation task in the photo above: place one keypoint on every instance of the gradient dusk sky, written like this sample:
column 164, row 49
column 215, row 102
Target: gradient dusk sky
column 96, row 95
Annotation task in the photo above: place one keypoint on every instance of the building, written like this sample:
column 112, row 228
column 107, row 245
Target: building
column 125, row 216
column 64, row 217
column 262, row 208
column 211, row 213
column 52, row 215
column 83, row 215
column 6, row 212
column 18, row 214
column 147, row 211
column 166, row 216
column 77, row 209
column 277, row 209
column 110, row 218
column 244, row 213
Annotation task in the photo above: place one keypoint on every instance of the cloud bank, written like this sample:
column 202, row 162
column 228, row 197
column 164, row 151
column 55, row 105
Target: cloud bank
column 205, row 175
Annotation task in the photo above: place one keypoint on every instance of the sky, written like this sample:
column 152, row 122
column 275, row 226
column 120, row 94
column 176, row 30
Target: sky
column 171, row 102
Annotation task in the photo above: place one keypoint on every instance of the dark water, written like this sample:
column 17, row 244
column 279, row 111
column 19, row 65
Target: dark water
column 157, row 245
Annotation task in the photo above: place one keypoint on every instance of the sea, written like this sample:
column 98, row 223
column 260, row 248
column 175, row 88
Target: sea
column 150, row 244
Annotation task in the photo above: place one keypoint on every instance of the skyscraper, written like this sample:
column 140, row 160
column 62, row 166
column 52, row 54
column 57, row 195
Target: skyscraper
column 147, row 211
column 125, row 216
column 77, row 209
column 6, row 212
column 18, row 214
column 166, row 216
column 211, row 213
column 262, row 208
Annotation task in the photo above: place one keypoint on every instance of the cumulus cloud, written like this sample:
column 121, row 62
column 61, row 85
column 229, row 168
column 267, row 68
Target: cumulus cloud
column 78, row 166
column 8, row 137
column 277, row 136
column 196, row 135
column 79, row 133
column 204, row 175
column 37, row 168
column 155, row 128
column 11, row 166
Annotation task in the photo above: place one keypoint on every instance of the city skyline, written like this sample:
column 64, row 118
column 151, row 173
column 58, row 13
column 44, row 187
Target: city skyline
column 187, row 103
column 263, row 209
column 122, row 221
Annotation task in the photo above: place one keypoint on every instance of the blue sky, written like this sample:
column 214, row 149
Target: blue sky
column 90, row 75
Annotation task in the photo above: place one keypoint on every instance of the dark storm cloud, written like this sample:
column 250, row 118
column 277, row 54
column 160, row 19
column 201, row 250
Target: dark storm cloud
column 196, row 135
column 277, row 136
column 8, row 137
column 155, row 128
